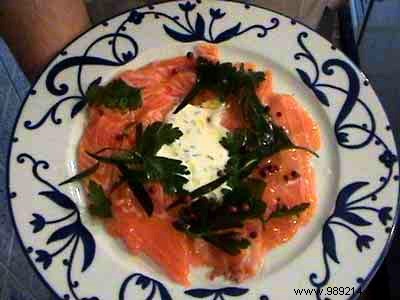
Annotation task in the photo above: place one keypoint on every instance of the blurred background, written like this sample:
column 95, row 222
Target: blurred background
column 33, row 31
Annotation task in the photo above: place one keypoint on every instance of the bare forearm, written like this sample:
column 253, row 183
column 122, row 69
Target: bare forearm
column 36, row 29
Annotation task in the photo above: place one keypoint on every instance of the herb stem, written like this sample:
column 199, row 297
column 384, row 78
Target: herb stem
column 189, row 97
column 209, row 187
column 89, row 171
column 307, row 150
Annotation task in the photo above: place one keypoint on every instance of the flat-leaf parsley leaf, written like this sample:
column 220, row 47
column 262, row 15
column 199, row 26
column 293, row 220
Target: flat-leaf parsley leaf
column 115, row 95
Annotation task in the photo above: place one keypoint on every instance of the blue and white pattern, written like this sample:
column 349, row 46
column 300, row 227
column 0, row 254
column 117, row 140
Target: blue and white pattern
column 70, row 234
column 217, row 294
column 72, row 253
column 190, row 33
column 347, row 206
column 157, row 289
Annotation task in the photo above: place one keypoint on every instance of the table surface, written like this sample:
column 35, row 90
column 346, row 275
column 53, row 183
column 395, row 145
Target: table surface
column 18, row 281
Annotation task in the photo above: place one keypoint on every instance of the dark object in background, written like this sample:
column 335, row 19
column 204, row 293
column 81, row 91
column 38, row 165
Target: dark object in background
column 347, row 37
column 374, row 46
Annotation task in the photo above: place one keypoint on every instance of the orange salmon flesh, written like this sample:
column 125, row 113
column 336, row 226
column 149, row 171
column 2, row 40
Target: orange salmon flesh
column 164, row 84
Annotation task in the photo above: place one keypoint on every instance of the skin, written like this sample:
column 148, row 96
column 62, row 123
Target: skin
column 35, row 30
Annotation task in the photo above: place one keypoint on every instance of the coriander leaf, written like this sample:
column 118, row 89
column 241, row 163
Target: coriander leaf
column 284, row 211
column 168, row 171
column 253, row 112
column 115, row 95
column 81, row 175
column 225, row 221
column 155, row 136
column 229, row 242
column 100, row 204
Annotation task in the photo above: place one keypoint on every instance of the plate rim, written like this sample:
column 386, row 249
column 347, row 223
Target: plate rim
column 9, row 196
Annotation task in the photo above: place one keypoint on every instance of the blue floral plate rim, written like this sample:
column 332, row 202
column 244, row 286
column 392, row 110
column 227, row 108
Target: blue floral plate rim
column 365, row 280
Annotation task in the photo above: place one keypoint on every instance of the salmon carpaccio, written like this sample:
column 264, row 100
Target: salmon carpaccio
column 165, row 83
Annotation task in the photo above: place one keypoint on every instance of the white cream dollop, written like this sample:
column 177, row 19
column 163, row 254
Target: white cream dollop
column 199, row 148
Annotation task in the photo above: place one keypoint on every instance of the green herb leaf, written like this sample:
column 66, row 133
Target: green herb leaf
column 115, row 95
column 283, row 142
column 155, row 136
column 284, row 211
column 168, row 171
column 256, row 187
column 81, row 175
column 209, row 187
column 100, row 204
column 240, row 196
column 189, row 97
column 247, row 148
column 235, row 141
column 229, row 242
column 135, row 183
column 142, row 165
column 221, row 78
column 206, row 218
column 85, row 173
column 118, row 158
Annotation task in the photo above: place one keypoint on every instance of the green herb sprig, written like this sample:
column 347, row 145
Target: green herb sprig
column 222, row 78
column 246, row 147
column 284, row 211
column 142, row 165
column 215, row 221
column 100, row 205
column 115, row 95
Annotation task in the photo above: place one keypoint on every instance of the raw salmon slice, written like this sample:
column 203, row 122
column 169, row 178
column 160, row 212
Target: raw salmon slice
column 288, row 113
column 155, row 236
column 103, row 131
column 156, row 72
column 158, row 102
column 232, row 118
column 284, row 189
column 248, row 66
column 236, row 268
column 302, row 129
column 208, row 51
column 295, row 182
column 164, row 84
column 106, row 126
column 130, row 223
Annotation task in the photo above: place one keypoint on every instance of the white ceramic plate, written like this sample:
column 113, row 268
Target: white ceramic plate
column 336, row 254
